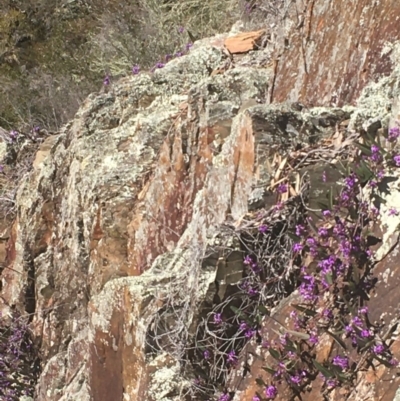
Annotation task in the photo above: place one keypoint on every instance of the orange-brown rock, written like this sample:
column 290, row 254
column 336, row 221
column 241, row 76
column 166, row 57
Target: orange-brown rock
column 244, row 42
column 114, row 221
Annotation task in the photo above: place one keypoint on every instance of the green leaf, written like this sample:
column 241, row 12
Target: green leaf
column 364, row 149
column 330, row 199
column 354, row 213
column 293, row 236
column 238, row 312
column 191, row 36
column 364, row 172
column 351, row 285
column 329, row 278
column 260, row 382
column 326, row 372
column 312, row 226
column 342, row 377
column 303, row 336
column 379, row 198
column 263, row 310
column 322, row 205
column 367, row 345
column 356, row 276
column 307, row 311
column 371, row 139
column 275, row 354
column 269, row 370
column 337, row 339
column 383, row 362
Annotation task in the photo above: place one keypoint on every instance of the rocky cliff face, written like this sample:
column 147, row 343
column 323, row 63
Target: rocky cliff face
column 126, row 229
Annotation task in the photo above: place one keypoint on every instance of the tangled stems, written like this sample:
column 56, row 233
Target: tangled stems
column 330, row 262
column 335, row 281
column 18, row 360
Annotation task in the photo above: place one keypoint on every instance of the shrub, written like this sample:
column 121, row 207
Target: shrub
column 19, row 364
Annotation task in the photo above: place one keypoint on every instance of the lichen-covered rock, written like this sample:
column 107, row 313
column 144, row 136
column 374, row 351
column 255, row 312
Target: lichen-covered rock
column 109, row 249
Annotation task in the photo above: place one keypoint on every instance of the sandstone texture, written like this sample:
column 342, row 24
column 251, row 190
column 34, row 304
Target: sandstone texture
column 110, row 248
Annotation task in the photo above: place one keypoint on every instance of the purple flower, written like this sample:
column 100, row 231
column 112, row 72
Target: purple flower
column 252, row 291
column 376, row 157
column 181, row 29
column 224, row 397
column 378, row 349
column 363, row 310
column 375, row 149
column 135, row 69
column 263, row 229
column 188, row 45
column 341, row 361
column 271, row 392
column 295, row 379
column 255, row 268
column 206, row 354
column 345, row 247
column 393, row 212
column 375, row 210
column 178, row 54
column 311, row 241
column 217, row 318
column 243, row 326
column 327, row 264
column 297, row 248
column 13, row 134
column 159, row 65
column 307, row 288
column 248, row 8
column 283, row 339
column 323, row 232
column 326, row 213
column 299, row 230
column 394, row 133
column 232, row 358
column 249, row 333
column 331, row 383
column 247, row 260
column 380, row 174
column 351, row 181
column 313, row 339
column 282, row 188
column 397, row 160
column 106, row 80
column 256, row 398
column 324, row 176
column 356, row 321
column 365, row 333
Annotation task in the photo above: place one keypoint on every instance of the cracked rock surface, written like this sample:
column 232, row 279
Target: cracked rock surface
column 114, row 220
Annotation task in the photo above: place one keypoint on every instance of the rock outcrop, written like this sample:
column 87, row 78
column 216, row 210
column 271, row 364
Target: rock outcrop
column 114, row 250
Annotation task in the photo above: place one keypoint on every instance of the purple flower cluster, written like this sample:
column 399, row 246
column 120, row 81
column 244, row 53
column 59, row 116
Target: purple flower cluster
column 336, row 269
column 271, row 392
column 308, row 288
column 394, row 134
column 18, row 367
column 341, row 361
